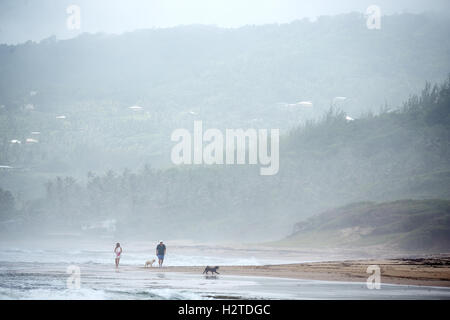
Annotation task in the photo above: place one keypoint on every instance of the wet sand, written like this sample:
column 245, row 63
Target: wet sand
column 431, row 271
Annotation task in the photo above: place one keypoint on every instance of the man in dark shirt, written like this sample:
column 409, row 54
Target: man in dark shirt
column 160, row 252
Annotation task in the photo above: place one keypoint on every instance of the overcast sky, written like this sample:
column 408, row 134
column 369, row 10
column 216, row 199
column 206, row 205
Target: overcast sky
column 22, row 20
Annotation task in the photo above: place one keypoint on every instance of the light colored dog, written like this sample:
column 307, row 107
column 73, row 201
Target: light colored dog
column 149, row 263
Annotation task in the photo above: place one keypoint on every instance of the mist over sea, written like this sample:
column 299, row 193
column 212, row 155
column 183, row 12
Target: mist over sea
column 32, row 273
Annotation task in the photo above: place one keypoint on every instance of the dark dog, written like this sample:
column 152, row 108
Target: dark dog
column 212, row 269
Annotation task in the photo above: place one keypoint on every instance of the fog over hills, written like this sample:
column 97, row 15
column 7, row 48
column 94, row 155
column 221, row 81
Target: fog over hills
column 224, row 149
column 335, row 161
column 250, row 68
column 414, row 225
column 85, row 124
column 252, row 76
column 23, row 20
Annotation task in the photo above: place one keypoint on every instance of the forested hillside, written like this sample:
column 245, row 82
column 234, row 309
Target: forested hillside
column 412, row 225
column 77, row 93
column 324, row 164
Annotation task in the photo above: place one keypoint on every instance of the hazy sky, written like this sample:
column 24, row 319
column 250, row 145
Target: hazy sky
column 22, row 20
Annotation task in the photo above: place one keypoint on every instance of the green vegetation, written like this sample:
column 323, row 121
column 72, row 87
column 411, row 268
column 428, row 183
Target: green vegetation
column 229, row 78
column 325, row 164
column 106, row 162
column 414, row 225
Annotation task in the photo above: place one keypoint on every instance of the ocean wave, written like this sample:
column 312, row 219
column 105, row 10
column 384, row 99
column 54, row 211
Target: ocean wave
column 131, row 258
column 65, row 294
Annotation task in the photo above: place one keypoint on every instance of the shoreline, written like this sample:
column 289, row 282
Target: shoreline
column 330, row 264
column 434, row 272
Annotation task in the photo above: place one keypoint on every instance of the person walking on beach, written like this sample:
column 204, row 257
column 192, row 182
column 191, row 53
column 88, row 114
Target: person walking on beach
column 160, row 252
column 117, row 253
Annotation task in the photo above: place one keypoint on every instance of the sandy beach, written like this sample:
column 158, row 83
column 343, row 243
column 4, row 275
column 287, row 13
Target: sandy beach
column 431, row 271
column 31, row 271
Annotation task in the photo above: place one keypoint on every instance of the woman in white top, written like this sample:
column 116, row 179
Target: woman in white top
column 117, row 253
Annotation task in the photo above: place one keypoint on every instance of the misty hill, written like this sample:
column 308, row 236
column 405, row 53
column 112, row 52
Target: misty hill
column 326, row 164
column 228, row 78
column 413, row 225
column 227, row 74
